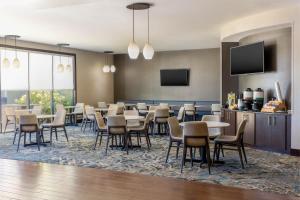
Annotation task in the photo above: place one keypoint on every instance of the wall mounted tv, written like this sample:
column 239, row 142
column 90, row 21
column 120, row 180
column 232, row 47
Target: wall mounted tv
column 174, row 77
column 247, row 59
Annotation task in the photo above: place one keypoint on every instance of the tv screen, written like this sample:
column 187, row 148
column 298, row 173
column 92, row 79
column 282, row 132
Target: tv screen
column 174, row 77
column 247, row 59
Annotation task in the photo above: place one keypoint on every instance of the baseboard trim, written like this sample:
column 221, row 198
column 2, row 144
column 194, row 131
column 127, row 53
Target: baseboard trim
column 295, row 152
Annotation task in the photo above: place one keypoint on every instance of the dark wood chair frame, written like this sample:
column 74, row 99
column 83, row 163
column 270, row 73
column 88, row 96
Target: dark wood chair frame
column 185, row 146
column 38, row 135
column 124, row 138
column 161, row 125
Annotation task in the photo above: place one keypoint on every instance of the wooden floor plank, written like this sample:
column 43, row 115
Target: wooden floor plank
column 27, row 180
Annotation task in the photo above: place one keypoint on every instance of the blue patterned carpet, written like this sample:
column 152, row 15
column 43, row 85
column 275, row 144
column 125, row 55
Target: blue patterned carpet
column 266, row 171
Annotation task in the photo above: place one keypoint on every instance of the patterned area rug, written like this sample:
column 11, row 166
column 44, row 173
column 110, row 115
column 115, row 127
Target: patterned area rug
column 265, row 171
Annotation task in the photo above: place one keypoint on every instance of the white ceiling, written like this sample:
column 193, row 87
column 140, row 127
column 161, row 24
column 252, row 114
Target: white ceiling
column 100, row 25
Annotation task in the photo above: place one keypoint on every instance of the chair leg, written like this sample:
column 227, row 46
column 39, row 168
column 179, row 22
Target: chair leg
column 222, row 150
column 169, row 148
column 37, row 134
column 215, row 153
column 96, row 140
column 100, row 139
column 5, row 126
column 20, row 134
column 65, row 131
column 55, row 129
column 16, row 132
column 244, row 152
column 208, row 155
column 51, row 131
column 241, row 157
column 177, row 150
column 183, row 158
column 107, row 145
column 192, row 157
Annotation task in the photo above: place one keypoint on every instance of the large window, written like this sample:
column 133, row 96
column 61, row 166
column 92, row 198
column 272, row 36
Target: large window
column 37, row 81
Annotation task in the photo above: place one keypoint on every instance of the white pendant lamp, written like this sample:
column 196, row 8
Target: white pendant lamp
column 16, row 62
column 5, row 61
column 107, row 68
column 148, row 50
column 113, row 68
column 68, row 66
column 133, row 48
column 60, row 66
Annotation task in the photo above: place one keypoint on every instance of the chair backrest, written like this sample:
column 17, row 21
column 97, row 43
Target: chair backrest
column 131, row 112
column 189, row 109
column 120, row 110
column 180, row 114
column 79, row 108
column 116, row 124
column 215, row 118
column 60, row 117
column 174, row 127
column 28, row 123
column 9, row 110
column 216, row 108
column 59, row 107
column 18, row 113
column 112, row 110
column 99, row 120
column 153, row 108
column 241, row 129
column 161, row 115
column 102, row 104
column 141, row 106
column 121, row 104
column 37, row 109
column 195, row 133
column 164, row 105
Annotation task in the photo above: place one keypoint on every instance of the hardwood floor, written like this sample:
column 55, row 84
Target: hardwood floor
column 26, row 180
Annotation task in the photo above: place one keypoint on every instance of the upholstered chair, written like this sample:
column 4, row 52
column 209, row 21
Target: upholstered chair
column 175, row 135
column 76, row 114
column 143, row 130
column 213, row 132
column 88, row 118
column 235, row 143
column 101, row 128
column 18, row 113
column 161, row 119
column 189, row 111
column 59, row 107
column 164, row 105
column 58, row 125
column 142, row 108
column 112, row 110
column 116, row 126
column 133, row 122
column 28, row 125
column 180, row 114
column 10, row 118
column 195, row 136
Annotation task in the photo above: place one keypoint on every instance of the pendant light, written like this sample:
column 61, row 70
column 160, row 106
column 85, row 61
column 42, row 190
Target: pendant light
column 16, row 62
column 148, row 50
column 106, row 68
column 5, row 61
column 133, row 48
column 60, row 66
column 68, row 66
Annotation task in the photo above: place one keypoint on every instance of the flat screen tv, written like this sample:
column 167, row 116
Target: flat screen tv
column 247, row 59
column 174, row 77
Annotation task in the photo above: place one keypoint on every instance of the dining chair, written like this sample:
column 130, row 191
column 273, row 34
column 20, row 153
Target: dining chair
column 102, row 104
column 133, row 122
column 180, row 114
column 101, row 128
column 142, row 108
column 175, row 135
column 10, row 118
column 234, row 143
column 18, row 113
column 121, row 105
column 143, row 130
column 88, row 118
column 59, row 107
column 213, row 132
column 189, row 111
column 112, row 110
column 195, row 135
column 161, row 119
column 77, row 113
column 116, row 126
column 164, row 105
column 58, row 125
column 152, row 108
column 29, row 124
column 216, row 109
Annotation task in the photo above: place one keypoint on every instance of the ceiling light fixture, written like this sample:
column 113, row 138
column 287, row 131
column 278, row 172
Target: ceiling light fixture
column 60, row 66
column 5, row 61
column 148, row 50
column 16, row 61
column 133, row 48
column 106, row 68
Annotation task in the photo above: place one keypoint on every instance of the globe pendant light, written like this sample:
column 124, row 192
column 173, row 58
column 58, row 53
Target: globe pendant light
column 16, row 62
column 68, row 66
column 60, row 66
column 113, row 68
column 106, row 68
column 5, row 61
column 148, row 50
column 133, row 48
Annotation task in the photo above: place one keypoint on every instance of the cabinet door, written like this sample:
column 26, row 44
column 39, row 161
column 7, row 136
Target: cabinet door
column 230, row 117
column 278, row 133
column 249, row 134
column 262, row 130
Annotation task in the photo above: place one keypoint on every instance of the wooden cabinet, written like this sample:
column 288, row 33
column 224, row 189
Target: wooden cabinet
column 271, row 131
column 249, row 134
column 229, row 116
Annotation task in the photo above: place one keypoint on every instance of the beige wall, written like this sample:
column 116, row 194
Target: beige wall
column 92, row 84
column 140, row 79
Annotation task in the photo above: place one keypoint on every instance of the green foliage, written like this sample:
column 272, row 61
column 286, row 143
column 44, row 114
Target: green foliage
column 43, row 98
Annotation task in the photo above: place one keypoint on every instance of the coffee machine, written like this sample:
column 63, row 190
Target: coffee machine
column 258, row 100
column 248, row 99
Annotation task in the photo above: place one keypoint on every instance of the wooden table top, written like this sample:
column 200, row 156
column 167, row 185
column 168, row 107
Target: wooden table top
column 23, row 180
column 210, row 124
